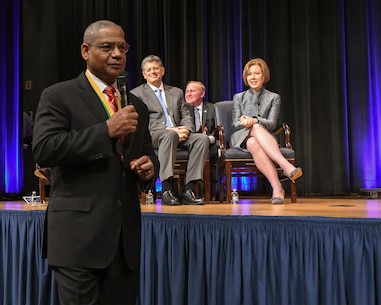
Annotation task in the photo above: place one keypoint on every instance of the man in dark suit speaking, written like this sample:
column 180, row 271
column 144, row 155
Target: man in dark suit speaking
column 100, row 155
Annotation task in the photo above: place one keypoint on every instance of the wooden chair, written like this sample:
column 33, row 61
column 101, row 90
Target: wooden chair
column 234, row 162
column 43, row 175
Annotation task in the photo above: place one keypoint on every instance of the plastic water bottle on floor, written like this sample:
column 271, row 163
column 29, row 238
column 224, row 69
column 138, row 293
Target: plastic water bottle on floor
column 235, row 197
column 33, row 197
column 149, row 198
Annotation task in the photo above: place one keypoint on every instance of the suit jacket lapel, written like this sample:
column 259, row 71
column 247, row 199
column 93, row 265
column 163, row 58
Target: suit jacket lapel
column 90, row 98
column 169, row 100
column 265, row 101
column 152, row 97
column 204, row 113
column 170, row 103
column 93, row 102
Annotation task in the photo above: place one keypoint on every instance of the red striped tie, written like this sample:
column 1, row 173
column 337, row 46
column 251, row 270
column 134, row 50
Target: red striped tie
column 110, row 91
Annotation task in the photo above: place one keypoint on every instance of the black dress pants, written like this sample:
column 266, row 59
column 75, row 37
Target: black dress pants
column 114, row 285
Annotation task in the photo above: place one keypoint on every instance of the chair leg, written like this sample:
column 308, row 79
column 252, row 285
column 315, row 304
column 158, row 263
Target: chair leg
column 207, row 181
column 143, row 197
column 293, row 186
column 213, row 182
column 228, row 182
column 41, row 187
column 179, row 184
column 293, row 191
column 221, row 175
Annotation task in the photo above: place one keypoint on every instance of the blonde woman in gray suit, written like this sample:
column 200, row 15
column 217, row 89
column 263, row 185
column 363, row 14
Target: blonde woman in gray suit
column 255, row 116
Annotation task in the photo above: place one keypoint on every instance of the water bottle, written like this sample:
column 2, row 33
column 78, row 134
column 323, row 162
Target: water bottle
column 235, row 197
column 149, row 198
column 33, row 197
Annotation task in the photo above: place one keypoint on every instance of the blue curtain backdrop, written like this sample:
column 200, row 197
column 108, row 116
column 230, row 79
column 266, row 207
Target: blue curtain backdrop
column 324, row 56
column 11, row 148
column 363, row 100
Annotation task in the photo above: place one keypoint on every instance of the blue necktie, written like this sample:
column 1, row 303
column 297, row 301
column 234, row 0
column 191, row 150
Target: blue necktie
column 164, row 106
column 197, row 122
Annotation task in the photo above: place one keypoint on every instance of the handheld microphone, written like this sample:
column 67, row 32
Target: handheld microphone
column 122, row 85
column 123, row 142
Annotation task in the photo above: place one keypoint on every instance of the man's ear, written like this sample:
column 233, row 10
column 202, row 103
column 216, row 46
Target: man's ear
column 85, row 51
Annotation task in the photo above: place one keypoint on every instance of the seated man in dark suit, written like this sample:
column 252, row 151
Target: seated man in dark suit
column 171, row 126
column 203, row 114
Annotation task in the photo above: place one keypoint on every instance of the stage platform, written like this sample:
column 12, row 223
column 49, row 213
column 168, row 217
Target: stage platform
column 339, row 206
column 354, row 206
column 320, row 250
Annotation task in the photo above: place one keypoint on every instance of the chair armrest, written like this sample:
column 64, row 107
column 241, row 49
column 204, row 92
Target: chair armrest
column 287, row 134
column 219, row 134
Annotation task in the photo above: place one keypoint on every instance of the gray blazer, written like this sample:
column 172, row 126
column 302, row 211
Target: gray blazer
column 177, row 109
column 265, row 106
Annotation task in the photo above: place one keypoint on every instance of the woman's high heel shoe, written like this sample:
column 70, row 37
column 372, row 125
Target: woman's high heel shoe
column 295, row 174
column 277, row 200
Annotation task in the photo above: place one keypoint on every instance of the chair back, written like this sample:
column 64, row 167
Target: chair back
column 224, row 118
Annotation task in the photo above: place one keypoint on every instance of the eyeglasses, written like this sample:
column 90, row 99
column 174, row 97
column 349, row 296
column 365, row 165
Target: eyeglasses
column 152, row 69
column 108, row 48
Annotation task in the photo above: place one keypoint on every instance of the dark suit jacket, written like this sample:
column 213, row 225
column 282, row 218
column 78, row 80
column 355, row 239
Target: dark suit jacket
column 93, row 197
column 208, row 115
column 208, row 120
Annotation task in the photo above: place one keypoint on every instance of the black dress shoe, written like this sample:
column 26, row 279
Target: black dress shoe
column 167, row 198
column 188, row 197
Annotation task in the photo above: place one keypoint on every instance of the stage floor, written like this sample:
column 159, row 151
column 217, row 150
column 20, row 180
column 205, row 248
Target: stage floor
column 340, row 207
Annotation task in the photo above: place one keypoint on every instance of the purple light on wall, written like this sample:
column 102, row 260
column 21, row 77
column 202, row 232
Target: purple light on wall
column 247, row 184
column 11, row 171
column 371, row 148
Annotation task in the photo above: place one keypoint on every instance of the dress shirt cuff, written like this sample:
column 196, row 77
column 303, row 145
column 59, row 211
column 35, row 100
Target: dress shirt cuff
column 212, row 139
